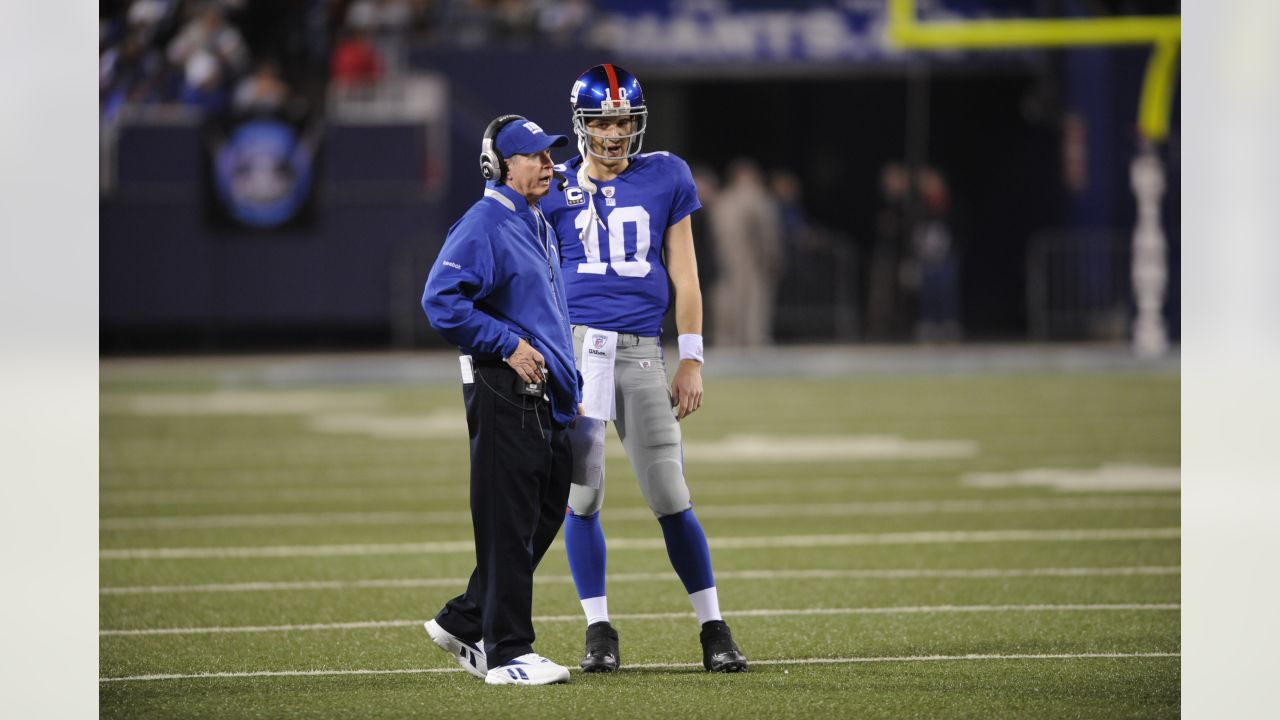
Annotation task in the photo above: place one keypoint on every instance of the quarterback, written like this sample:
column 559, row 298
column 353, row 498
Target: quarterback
column 622, row 217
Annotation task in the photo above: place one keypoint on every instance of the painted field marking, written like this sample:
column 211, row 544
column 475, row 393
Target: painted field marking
column 848, row 509
column 732, row 448
column 891, row 574
column 395, row 485
column 730, row 543
column 914, row 658
column 213, row 483
column 1107, row 478
column 194, row 522
column 278, row 673
column 350, row 474
column 287, row 494
column 770, row 612
column 654, row 666
column 242, row 402
column 444, row 425
column 739, row 448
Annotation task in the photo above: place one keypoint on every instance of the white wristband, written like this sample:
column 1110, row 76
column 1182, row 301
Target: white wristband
column 691, row 347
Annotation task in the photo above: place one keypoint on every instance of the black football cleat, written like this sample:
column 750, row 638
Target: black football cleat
column 602, row 648
column 719, row 653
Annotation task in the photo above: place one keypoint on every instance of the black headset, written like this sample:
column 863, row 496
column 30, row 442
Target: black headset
column 492, row 165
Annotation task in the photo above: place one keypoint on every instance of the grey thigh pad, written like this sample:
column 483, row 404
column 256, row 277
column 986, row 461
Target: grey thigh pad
column 586, row 494
column 649, row 430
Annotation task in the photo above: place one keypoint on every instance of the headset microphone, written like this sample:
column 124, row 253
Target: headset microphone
column 493, row 166
column 561, row 181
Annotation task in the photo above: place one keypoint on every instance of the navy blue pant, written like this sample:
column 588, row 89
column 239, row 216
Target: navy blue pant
column 521, row 466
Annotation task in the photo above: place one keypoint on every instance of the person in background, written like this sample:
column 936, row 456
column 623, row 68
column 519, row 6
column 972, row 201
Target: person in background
column 884, row 296
column 751, row 253
column 209, row 32
column 708, row 185
column 933, row 269
column 203, row 84
column 355, row 62
column 263, row 91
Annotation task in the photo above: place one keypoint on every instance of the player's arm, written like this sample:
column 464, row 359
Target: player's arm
column 463, row 275
column 682, row 268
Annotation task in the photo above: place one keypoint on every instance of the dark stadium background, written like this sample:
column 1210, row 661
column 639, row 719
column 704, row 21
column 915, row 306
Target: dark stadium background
column 173, row 280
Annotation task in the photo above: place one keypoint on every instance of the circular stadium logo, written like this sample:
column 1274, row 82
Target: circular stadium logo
column 263, row 173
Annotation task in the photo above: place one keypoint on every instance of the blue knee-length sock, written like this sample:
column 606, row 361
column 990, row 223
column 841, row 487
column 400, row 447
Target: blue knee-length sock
column 687, row 548
column 584, row 541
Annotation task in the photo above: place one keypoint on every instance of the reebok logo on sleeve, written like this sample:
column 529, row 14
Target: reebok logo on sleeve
column 450, row 263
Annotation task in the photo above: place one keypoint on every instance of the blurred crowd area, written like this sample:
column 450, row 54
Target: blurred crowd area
column 757, row 243
column 974, row 202
column 215, row 55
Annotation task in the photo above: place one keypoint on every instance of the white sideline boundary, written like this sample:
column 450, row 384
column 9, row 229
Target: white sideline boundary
column 763, row 612
column 654, row 666
column 849, row 509
column 870, row 574
column 730, row 543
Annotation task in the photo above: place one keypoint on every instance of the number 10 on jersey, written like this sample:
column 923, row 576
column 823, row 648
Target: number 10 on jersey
column 618, row 219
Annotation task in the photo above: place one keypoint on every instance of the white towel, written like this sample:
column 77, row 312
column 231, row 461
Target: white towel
column 468, row 370
column 598, row 350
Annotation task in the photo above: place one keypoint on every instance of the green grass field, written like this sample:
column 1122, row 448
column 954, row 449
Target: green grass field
column 971, row 545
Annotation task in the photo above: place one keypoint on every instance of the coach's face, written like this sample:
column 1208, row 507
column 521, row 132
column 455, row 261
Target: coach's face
column 530, row 175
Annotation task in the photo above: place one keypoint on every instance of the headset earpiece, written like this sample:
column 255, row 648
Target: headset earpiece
column 492, row 165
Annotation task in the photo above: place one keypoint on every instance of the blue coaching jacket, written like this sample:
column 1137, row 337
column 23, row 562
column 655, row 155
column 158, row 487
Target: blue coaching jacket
column 496, row 280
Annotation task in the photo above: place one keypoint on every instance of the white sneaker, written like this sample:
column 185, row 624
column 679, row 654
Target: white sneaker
column 528, row 669
column 470, row 657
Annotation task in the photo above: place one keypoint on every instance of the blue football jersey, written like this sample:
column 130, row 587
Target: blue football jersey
column 614, row 275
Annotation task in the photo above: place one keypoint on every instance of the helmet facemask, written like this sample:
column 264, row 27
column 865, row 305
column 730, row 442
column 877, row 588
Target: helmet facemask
column 611, row 108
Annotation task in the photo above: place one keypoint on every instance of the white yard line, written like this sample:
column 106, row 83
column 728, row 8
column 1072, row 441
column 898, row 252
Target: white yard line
column 914, row 658
column 771, row 612
column 705, row 511
column 656, row 666
column 1107, row 478
column 194, row 522
column 242, row 487
column 745, row 447
column 280, row 673
column 730, row 543
column 891, row 574
column 243, row 402
column 242, row 495
column 215, row 482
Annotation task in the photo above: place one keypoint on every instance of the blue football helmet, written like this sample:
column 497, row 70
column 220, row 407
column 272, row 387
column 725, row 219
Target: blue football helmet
column 608, row 91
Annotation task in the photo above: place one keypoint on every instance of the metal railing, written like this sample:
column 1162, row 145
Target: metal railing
column 1078, row 285
column 817, row 295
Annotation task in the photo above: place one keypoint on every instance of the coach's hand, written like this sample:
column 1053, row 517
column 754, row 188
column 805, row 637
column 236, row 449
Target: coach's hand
column 527, row 362
column 686, row 388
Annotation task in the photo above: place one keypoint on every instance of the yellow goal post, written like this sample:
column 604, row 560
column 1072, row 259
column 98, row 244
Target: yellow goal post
column 1163, row 33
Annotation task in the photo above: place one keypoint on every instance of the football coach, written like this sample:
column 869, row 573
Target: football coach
column 495, row 291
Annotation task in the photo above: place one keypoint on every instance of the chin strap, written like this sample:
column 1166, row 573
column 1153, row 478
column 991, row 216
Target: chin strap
column 584, row 182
